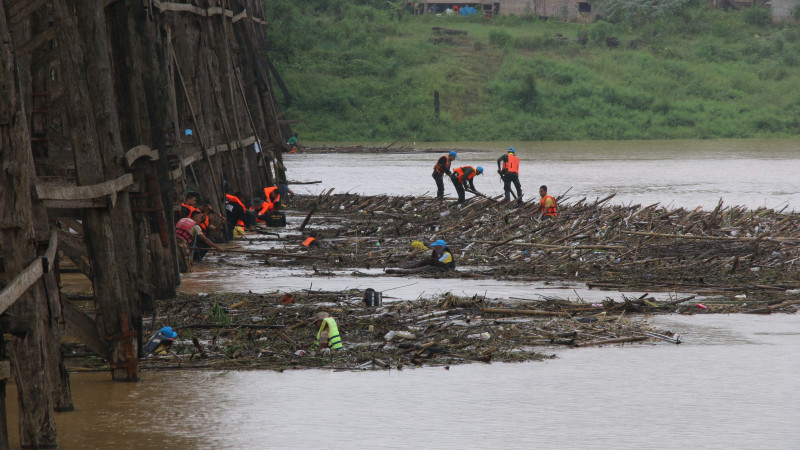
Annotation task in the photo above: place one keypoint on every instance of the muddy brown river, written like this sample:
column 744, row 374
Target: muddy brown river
column 731, row 384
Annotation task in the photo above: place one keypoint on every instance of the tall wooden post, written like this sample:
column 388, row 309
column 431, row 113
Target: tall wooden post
column 97, row 149
column 28, row 352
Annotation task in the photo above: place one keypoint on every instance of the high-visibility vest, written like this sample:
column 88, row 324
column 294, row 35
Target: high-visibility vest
column 308, row 241
column 190, row 208
column 439, row 168
column 334, row 340
column 235, row 199
column 460, row 173
column 512, row 165
column 446, row 258
column 204, row 224
column 183, row 229
column 549, row 210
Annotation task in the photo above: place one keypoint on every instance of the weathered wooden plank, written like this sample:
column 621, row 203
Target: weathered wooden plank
column 138, row 152
column 84, row 329
column 74, row 249
column 5, row 370
column 76, row 204
column 59, row 192
column 21, row 283
column 213, row 11
column 36, row 42
column 22, row 9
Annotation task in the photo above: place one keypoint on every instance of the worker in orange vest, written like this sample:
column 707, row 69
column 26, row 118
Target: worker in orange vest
column 547, row 205
column 508, row 168
column 462, row 180
column 441, row 168
column 189, row 205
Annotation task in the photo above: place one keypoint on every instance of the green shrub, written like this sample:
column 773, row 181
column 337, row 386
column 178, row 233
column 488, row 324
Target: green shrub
column 757, row 15
column 599, row 31
column 500, row 38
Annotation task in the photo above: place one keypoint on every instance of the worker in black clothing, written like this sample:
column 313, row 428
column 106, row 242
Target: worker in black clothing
column 442, row 167
column 462, row 180
column 236, row 214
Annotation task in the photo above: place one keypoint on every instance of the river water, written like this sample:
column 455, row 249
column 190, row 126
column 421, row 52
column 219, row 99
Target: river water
column 731, row 384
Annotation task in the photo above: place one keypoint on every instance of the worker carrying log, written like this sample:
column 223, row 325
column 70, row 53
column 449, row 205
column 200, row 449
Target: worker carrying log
column 328, row 337
column 508, row 168
column 441, row 168
column 187, row 231
column 462, row 180
column 547, row 205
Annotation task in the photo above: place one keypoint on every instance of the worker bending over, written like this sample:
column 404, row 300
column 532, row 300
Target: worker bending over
column 187, row 231
column 442, row 167
column 462, row 180
column 328, row 334
column 508, row 168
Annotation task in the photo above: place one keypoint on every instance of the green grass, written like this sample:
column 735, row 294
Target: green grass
column 356, row 73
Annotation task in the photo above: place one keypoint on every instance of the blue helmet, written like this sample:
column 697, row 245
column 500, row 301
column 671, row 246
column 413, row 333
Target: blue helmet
column 439, row 243
column 511, row 150
column 480, row 170
column 453, row 154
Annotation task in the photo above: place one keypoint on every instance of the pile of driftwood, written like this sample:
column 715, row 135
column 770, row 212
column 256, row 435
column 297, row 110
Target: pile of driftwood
column 272, row 331
column 728, row 249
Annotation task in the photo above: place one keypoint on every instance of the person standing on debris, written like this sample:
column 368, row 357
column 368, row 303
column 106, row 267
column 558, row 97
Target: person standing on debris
column 188, row 231
column 328, row 334
column 508, row 168
column 189, row 205
column 441, row 168
column 462, row 180
column 547, row 205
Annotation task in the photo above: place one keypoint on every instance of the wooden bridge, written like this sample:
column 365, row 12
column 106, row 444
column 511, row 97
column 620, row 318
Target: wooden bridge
column 97, row 98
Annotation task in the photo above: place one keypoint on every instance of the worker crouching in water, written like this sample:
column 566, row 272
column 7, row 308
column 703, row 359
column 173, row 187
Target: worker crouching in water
column 187, row 231
column 441, row 259
column 327, row 338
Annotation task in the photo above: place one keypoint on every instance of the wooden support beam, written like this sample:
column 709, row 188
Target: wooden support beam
column 22, row 9
column 213, row 11
column 93, row 196
column 73, row 248
column 84, row 329
column 36, row 42
column 138, row 152
column 21, row 283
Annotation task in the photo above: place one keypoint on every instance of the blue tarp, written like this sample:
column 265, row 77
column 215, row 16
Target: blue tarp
column 467, row 11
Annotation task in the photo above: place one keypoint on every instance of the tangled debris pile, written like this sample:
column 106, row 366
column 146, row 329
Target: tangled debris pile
column 267, row 331
column 272, row 331
column 729, row 249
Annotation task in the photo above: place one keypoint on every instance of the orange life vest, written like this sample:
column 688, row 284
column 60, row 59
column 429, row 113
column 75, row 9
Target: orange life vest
column 235, row 199
column 549, row 210
column 269, row 205
column 460, row 173
column 308, row 241
column 439, row 168
column 204, row 223
column 512, row 165
column 183, row 229
column 190, row 208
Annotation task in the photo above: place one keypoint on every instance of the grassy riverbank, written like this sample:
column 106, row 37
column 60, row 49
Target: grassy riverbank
column 357, row 73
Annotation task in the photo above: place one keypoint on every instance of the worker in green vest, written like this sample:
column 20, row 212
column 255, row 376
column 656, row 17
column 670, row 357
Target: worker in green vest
column 328, row 334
